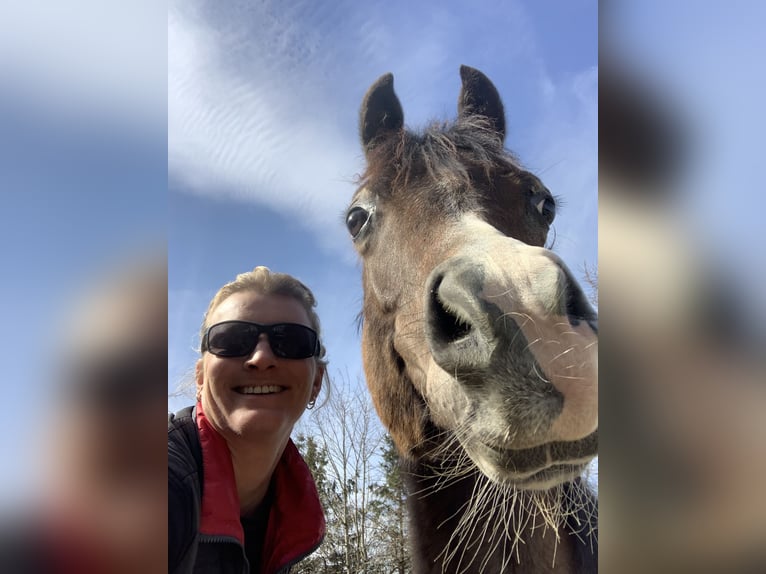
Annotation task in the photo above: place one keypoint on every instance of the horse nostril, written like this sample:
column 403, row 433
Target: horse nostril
column 446, row 325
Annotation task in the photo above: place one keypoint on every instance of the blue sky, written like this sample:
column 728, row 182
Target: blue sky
column 230, row 128
column 263, row 101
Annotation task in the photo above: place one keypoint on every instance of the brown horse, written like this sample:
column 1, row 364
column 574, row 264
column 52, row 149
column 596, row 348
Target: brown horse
column 479, row 347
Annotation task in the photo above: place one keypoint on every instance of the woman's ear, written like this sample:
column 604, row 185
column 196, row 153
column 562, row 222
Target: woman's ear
column 318, row 378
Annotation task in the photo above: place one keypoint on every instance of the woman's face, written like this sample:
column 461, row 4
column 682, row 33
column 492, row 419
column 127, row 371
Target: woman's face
column 292, row 382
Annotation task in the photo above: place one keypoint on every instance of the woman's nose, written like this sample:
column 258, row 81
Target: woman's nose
column 262, row 356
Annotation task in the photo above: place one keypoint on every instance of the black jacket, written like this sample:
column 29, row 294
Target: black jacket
column 204, row 529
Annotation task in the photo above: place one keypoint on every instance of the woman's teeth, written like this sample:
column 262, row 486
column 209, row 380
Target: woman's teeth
column 263, row 390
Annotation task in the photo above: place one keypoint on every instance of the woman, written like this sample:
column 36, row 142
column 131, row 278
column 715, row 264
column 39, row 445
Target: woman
column 240, row 497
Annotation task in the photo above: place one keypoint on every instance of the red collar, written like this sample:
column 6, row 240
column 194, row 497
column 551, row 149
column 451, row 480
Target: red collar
column 296, row 522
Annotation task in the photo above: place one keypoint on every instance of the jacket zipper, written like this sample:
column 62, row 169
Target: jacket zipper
column 215, row 539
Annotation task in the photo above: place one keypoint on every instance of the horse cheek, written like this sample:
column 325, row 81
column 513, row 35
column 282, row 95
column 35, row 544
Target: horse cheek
column 400, row 409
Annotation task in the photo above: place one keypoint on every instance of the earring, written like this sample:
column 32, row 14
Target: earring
column 312, row 404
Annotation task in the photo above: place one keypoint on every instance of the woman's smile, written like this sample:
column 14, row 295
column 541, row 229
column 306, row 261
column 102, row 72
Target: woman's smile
column 260, row 390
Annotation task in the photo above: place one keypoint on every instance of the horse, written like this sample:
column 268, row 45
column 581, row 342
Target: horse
column 479, row 347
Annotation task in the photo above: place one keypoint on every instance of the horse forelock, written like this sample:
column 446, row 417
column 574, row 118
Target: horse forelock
column 444, row 155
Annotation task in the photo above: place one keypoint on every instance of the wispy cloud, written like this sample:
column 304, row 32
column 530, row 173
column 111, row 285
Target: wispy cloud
column 246, row 121
column 263, row 98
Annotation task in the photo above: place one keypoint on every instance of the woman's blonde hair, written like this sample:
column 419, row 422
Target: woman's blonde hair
column 266, row 282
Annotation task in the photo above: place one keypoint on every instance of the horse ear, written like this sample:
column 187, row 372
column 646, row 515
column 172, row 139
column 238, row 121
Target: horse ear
column 381, row 111
column 479, row 96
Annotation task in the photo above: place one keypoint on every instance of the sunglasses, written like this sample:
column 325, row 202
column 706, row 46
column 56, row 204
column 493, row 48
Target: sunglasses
column 239, row 338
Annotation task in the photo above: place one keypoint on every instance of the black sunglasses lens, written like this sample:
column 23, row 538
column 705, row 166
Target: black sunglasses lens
column 292, row 341
column 237, row 339
column 232, row 339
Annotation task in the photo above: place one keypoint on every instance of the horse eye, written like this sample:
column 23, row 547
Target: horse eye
column 356, row 219
column 547, row 208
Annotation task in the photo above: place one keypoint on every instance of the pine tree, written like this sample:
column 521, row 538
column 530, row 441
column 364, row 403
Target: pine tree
column 390, row 510
column 356, row 470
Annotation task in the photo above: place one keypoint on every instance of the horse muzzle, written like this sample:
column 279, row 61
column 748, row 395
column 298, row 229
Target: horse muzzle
column 512, row 326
